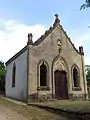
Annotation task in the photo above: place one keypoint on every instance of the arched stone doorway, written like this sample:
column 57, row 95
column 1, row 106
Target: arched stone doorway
column 60, row 78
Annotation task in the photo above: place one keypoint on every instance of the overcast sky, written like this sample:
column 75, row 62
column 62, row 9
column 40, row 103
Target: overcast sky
column 20, row 17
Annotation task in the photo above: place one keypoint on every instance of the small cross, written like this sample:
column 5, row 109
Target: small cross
column 56, row 15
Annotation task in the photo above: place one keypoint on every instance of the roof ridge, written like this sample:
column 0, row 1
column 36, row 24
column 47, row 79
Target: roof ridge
column 16, row 55
column 71, row 41
column 47, row 32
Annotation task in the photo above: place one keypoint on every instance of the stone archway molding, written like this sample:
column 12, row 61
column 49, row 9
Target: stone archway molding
column 59, row 63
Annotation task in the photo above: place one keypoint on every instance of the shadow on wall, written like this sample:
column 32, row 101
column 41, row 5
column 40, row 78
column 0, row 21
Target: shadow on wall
column 20, row 97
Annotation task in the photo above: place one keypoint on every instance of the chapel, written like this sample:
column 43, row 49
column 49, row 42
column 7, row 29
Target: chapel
column 49, row 68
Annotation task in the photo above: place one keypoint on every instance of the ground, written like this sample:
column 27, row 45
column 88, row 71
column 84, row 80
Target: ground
column 79, row 105
column 7, row 114
column 10, row 110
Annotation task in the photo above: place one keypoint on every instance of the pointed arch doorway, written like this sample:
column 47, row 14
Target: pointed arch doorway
column 61, row 91
column 60, row 78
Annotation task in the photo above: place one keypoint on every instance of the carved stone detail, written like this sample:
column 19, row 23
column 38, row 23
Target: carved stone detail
column 60, row 65
column 59, row 43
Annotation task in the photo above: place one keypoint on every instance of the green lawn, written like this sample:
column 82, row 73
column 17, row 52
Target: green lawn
column 32, row 113
column 68, row 104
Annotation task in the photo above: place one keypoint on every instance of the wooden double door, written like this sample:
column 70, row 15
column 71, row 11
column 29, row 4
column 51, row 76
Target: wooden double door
column 61, row 91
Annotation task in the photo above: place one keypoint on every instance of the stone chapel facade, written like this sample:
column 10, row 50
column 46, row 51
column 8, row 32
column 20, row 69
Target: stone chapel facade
column 49, row 68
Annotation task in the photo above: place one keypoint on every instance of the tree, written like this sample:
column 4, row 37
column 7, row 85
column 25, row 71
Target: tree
column 2, row 76
column 85, row 5
column 88, row 77
column 88, row 82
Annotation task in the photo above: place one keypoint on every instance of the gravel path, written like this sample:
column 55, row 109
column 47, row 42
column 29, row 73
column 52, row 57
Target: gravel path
column 7, row 114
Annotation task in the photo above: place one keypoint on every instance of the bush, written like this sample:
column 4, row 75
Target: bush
column 89, row 95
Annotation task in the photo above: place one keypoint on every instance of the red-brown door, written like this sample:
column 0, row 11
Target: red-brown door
column 61, row 91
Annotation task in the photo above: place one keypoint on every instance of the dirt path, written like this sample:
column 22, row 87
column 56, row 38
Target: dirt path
column 7, row 114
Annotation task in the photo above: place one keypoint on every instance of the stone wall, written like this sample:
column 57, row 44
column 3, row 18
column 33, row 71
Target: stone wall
column 48, row 50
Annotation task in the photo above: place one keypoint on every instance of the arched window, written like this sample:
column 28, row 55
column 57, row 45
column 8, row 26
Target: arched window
column 13, row 75
column 75, row 77
column 43, row 82
column 43, row 75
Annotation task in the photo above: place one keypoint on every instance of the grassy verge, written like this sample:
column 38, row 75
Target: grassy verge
column 31, row 113
column 67, row 104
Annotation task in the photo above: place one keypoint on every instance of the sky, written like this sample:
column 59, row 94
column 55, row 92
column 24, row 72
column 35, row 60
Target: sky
column 20, row 17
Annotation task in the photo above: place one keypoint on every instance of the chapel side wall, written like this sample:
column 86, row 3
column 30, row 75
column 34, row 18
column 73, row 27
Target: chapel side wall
column 18, row 92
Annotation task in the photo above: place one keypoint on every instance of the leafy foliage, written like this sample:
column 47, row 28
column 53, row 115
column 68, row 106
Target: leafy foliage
column 2, row 76
column 85, row 5
column 88, row 77
column 88, row 73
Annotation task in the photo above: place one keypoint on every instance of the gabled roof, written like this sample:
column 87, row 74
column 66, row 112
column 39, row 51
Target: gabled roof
column 16, row 55
column 37, row 42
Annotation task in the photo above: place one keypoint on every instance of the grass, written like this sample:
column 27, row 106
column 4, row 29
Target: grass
column 32, row 113
column 68, row 104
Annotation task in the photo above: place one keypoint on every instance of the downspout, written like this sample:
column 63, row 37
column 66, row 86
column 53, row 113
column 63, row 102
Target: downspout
column 27, row 69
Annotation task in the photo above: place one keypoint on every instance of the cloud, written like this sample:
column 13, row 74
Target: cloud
column 81, row 37
column 13, row 37
column 87, row 60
